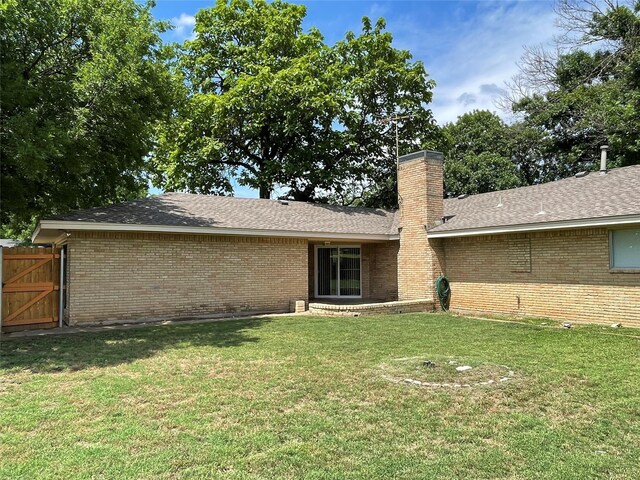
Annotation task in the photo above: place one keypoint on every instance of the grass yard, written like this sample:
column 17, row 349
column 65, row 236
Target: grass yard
column 323, row 398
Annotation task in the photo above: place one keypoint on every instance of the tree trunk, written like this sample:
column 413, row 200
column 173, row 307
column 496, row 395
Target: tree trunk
column 306, row 195
column 265, row 192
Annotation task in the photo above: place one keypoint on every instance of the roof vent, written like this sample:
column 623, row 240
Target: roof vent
column 283, row 202
column 463, row 196
column 581, row 174
column 499, row 202
column 603, row 159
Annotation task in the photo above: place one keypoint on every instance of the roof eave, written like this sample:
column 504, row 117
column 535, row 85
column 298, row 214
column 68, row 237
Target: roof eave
column 47, row 229
column 533, row 227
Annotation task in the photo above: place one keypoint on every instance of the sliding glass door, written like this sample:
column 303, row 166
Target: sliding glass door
column 338, row 272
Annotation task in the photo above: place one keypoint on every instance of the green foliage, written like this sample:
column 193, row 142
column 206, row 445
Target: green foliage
column 476, row 132
column 591, row 98
column 83, row 82
column 271, row 106
column 478, row 155
column 577, row 102
column 484, row 172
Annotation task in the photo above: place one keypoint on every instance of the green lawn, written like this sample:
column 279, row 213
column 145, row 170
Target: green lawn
column 307, row 397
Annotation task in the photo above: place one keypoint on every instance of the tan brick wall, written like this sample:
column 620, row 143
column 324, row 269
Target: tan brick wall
column 562, row 275
column 387, row 308
column 379, row 269
column 126, row 276
column 420, row 193
column 383, row 271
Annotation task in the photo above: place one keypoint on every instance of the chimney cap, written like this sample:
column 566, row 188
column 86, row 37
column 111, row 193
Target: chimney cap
column 604, row 147
column 422, row 154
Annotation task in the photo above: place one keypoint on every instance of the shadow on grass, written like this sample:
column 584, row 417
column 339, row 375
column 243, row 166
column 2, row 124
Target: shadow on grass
column 80, row 351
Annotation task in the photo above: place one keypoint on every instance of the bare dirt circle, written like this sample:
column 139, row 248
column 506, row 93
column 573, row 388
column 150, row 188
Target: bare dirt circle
column 432, row 371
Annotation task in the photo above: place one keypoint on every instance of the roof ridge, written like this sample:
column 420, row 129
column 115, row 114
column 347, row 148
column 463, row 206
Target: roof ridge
column 302, row 202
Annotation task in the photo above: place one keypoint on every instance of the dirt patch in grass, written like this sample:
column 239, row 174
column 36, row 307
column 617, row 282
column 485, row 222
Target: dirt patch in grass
column 445, row 372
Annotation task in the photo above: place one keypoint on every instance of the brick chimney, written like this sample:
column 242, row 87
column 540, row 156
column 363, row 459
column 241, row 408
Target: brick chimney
column 420, row 197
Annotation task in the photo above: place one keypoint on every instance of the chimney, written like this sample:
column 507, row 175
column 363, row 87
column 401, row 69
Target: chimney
column 420, row 199
column 603, row 159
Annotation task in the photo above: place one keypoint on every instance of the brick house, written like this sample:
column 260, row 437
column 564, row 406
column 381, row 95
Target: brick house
column 568, row 249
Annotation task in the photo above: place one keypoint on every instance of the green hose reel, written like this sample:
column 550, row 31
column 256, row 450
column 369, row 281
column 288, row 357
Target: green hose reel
column 443, row 290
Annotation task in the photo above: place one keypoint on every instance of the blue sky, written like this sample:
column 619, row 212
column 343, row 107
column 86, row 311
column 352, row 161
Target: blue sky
column 470, row 48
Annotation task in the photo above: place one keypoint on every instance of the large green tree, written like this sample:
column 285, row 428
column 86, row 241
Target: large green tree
column 82, row 83
column 269, row 105
column 478, row 151
column 583, row 98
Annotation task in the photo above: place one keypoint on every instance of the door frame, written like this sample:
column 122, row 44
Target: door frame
column 315, row 270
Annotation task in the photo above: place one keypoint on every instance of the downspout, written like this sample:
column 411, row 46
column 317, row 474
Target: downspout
column 61, row 290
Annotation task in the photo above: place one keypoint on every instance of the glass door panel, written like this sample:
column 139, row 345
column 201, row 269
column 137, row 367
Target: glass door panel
column 327, row 271
column 350, row 272
column 338, row 272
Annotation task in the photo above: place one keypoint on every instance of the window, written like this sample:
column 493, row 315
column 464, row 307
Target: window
column 624, row 249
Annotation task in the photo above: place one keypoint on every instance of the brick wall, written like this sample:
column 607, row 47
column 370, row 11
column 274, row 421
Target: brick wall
column 383, row 271
column 123, row 276
column 562, row 275
column 420, row 192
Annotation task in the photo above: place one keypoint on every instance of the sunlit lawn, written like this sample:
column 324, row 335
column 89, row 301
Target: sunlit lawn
column 306, row 397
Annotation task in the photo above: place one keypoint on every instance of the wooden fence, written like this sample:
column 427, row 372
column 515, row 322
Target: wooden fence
column 30, row 288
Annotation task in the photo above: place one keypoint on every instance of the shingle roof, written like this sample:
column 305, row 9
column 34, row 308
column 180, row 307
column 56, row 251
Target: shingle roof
column 189, row 210
column 595, row 196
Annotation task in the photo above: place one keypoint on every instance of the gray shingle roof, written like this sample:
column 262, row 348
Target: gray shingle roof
column 592, row 197
column 182, row 209
column 595, row 196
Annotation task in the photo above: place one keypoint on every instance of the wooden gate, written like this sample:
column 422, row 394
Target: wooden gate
column 30, row 288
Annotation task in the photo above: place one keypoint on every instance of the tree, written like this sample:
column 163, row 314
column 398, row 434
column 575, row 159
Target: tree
column 478, row 153
column 83, row 82
column 578, row 99
column 269, row 105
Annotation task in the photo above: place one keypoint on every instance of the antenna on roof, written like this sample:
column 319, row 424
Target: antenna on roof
column 394, row 119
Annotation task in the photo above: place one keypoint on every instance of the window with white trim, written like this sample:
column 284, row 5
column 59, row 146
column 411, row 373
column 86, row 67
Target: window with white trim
column 624, row 249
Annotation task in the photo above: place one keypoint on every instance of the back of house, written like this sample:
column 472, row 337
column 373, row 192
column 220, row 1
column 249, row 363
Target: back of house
column 568, row 249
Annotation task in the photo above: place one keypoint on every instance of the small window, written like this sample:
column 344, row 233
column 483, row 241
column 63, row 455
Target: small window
column 625, row 249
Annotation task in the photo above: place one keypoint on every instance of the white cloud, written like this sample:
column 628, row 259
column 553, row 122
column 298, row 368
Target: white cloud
column 183, row 26
column 471, row 57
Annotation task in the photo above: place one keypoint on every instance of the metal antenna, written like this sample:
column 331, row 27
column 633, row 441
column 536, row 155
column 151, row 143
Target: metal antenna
column 394, row 118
